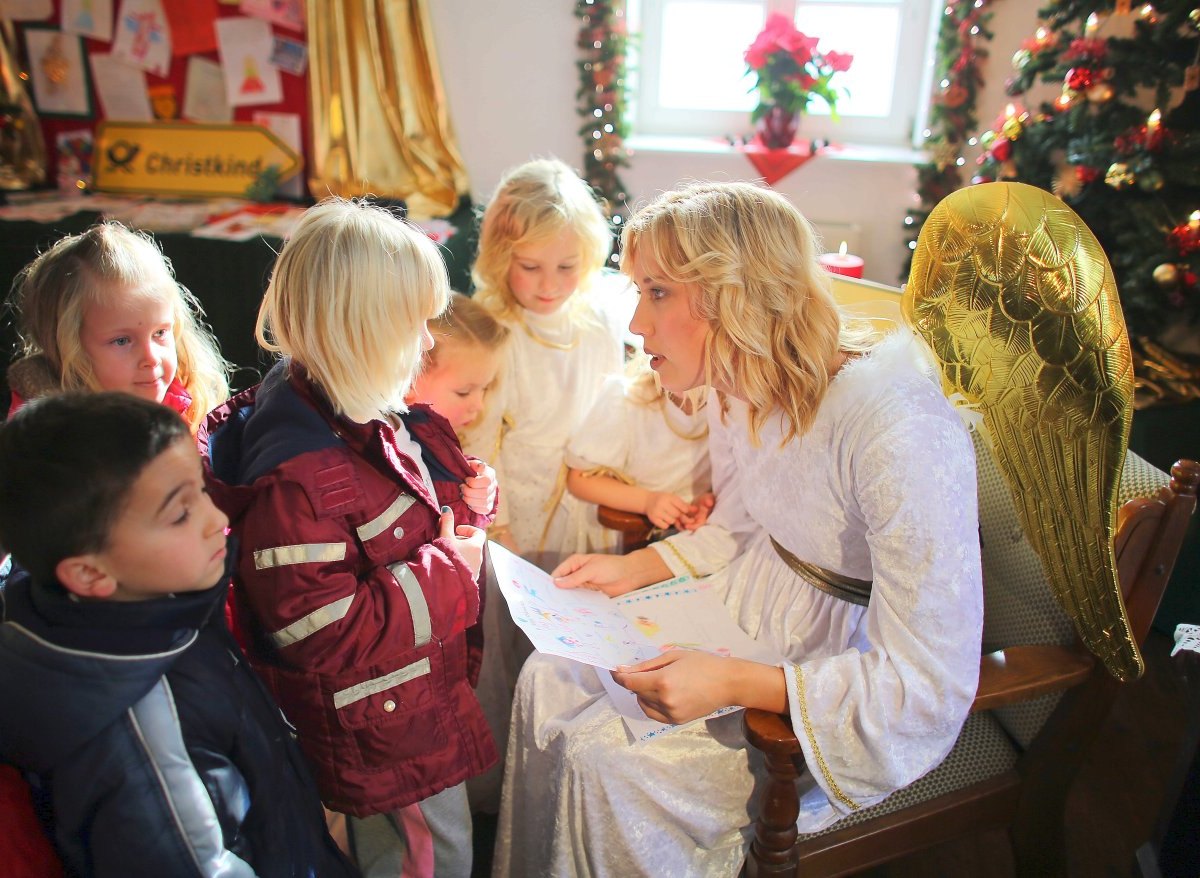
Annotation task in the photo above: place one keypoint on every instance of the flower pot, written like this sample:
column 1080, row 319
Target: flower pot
column 776, row 128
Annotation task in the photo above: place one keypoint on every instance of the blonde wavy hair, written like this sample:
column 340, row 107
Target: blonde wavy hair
column 465, row 322
column 774, row 327
column 348, row 298
column 107, row 262
column 534, row 203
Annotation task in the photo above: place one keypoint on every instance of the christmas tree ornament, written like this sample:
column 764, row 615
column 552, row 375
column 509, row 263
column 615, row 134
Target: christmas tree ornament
column 1185, row 237
column 1013, row 124
column 1100, row 93
column 1080, row 78
column 1119, row 176
column 1020, row 58
column 1016, row 299
column 1166, row 276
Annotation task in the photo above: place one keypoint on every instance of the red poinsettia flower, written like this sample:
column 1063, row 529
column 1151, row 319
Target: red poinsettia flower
column 790, row 68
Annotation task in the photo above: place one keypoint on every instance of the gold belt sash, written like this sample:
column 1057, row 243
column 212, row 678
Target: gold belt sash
column 856, row 591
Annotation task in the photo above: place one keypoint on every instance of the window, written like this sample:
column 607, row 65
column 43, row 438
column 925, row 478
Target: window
column 691, row 77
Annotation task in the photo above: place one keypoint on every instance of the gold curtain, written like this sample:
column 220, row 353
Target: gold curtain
column 379, row 120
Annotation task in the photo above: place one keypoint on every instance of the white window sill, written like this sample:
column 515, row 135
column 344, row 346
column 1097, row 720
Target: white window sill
column 849, row 152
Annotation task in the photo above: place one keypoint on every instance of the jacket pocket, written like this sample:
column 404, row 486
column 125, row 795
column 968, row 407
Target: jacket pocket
column 393, row 716
column 395, row 532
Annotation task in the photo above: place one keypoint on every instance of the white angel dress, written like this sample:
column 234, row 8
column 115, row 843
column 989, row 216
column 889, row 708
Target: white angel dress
column 655, row 445
column 880, row 489
column 554, row 368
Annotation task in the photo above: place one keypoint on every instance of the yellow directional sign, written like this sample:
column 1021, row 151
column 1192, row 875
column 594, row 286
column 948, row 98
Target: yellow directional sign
column 180, row 158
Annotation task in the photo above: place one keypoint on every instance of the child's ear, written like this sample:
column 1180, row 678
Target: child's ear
column 85, row 576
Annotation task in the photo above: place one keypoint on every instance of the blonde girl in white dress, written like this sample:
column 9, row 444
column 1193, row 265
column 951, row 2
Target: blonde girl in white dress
column 542, row 245
column 644, row 449
column 844, row 537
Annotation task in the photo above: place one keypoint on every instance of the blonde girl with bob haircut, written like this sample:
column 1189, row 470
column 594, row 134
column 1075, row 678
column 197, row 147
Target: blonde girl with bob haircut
column 543, row 243
column 360, row 525
column 102, row 310
column 844, row 541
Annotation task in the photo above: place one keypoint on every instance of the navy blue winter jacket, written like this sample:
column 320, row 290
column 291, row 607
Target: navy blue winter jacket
column 161, row 752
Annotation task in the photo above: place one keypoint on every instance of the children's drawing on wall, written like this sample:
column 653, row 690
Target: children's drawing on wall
column 143, row 38
column 57, row 71
column 286, row 13
column 88, row 18
column 245, row 46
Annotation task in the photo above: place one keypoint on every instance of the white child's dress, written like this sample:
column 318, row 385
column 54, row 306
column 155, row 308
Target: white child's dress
column 554, row 368
column 881, row 488
column 656, row 446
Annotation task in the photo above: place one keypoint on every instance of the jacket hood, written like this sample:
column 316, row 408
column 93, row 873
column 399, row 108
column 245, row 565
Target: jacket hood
column 68, row 669
column 32, row 378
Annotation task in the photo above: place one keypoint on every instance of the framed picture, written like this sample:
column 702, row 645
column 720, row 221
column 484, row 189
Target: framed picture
column 58, row 71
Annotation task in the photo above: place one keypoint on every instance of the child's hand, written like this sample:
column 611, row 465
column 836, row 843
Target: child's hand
column 698, row 512
column 468, row 540
column 678, row 686
column 664, row 509
column 479, row 491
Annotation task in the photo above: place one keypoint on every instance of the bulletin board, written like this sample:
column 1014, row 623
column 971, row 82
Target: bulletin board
column 87, row 60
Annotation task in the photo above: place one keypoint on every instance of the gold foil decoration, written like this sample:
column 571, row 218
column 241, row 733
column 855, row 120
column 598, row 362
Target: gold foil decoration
column 379, row 120
column 1018, row 302
column 22, row 150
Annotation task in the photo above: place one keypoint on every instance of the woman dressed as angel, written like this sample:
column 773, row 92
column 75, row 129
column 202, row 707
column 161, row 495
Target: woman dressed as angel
column 844, row 537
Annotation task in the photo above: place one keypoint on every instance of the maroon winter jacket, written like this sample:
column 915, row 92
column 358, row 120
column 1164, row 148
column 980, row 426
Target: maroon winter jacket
column 351, row 607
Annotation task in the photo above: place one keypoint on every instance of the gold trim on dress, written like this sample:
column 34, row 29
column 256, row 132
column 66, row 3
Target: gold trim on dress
column 545, row 342
column 856, row 591
column 812, row 741
column 687, row 565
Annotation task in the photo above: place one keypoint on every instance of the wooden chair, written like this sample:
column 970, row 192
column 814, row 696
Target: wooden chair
column 1041, row 699
column 634, row 529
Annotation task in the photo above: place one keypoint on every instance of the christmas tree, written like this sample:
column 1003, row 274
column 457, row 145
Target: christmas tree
column 1105, row 112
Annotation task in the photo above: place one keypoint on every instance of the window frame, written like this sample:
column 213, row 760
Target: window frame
column 910, row 98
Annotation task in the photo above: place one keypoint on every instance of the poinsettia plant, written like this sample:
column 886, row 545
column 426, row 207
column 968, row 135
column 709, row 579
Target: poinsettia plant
column 791, row 70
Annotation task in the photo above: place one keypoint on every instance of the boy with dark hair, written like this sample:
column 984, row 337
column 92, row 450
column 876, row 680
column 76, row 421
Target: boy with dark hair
column 122, row 690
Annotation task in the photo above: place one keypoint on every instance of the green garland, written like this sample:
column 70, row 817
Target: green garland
column 601, row 100
column 952, row 119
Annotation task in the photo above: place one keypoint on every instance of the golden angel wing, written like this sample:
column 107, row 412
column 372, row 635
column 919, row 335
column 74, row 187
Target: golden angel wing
column 1018, row 302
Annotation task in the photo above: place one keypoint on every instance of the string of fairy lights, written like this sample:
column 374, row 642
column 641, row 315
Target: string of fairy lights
column 961, row 50
column 601, row 102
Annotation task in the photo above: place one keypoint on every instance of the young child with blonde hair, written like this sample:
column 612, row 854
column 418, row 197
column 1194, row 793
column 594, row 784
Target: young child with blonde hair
column 354, row 587
column 644, row 449
column 102, row 310
column 543, row 243
column 462, row 367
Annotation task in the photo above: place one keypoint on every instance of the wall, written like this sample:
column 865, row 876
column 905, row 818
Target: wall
column 510, row 78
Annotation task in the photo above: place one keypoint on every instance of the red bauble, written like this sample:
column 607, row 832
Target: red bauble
column 1086, row 174
column 1185, row 239
column 1080, row 78
column 1002, row 150
column 1189, row 279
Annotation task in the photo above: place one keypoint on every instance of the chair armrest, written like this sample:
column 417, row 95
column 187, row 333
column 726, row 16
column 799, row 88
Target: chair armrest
column 770, row 732
column 1021, row 673
column 620, row 520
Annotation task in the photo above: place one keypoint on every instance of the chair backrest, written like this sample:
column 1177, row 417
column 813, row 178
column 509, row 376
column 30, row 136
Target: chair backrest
column 1019, row 604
